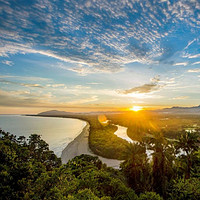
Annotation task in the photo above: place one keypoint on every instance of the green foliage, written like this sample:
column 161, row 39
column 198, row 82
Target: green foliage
column 39, row 150
column 163, row 157
column 83, row 163
column 165, row 165
column 150, row 196
column 29, row 170
column 19, row 167
column 101, row 145
column 136, row 168
column 189, row 144
column 86, row 194
column 185, row 189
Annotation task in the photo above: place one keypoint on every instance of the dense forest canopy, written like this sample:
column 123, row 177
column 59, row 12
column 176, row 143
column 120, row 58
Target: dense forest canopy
column 29, row 170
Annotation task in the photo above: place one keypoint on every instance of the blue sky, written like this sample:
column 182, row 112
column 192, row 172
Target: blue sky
column 78, row 55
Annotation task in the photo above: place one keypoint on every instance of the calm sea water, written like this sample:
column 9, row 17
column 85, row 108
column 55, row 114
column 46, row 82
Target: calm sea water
column 57, row 132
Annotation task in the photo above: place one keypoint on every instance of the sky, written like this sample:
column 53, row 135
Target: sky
column 94, row 55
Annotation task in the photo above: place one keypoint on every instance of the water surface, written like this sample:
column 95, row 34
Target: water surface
column 122, row 133
column 57, row 132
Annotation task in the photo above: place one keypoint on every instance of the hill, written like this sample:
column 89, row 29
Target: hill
column 181, row 110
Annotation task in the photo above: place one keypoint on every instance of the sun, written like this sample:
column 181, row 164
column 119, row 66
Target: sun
column 136, row 108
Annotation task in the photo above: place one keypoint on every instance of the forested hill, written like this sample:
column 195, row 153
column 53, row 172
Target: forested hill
column 54, row 112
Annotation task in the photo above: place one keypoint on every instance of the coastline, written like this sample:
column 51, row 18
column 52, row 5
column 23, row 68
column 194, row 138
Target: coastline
column 80, row 145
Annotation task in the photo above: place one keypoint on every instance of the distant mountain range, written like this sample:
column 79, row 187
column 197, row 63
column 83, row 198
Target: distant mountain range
column 63, row 113
column 181, row 110
column 172, row 110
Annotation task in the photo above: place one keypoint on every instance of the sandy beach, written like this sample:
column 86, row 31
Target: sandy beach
column 80, row 146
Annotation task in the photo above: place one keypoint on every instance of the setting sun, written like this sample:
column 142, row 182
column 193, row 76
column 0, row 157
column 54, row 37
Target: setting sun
column 136, row 108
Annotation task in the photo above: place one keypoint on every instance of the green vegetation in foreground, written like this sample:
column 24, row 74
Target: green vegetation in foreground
column 29, row 170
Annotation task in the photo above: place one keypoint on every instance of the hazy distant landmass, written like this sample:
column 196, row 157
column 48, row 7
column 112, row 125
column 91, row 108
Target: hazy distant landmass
column 54, row 112
column 182, row 110
column 172, row 110
column 64, row 113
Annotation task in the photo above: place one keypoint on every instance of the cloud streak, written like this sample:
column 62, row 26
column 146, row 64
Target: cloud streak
column 181, row 97
column 8, row 62
column 146, row 88
column 194, row 70
column 21, row 84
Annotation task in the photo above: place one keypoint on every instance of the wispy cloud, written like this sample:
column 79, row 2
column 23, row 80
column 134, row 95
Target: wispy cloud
column 194, row 56
column 194, row 70
column 60, row 85
column 94, row 83
column 26, row 99
column 181, row 97
column 146, row 88
column 102, row 36
column 83, row 101
column 26, row 78
column 8, row 62
column 21, row 84
column 189, row 43
column 180, row 64
column 196, row 63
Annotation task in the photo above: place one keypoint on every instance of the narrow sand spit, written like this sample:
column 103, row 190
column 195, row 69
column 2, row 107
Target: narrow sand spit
column 80, row 146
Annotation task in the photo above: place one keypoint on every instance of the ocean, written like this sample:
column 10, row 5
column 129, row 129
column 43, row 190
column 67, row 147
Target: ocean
column 57, row 132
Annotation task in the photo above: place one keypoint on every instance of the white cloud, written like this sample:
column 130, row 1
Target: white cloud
column 81, row 87
column 35, row 85
column 189, row 43
column 60, row 85
column 194, row 70
column 194, row 56
column 181, row 97
column 196, row 63
column 146, row 88
column 94, row 83
column 26, row 78
column 181, row 63
column 8, row 62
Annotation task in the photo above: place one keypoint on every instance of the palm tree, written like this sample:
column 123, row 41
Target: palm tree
column 136, row 167
column 186, row 146
column 163, row 156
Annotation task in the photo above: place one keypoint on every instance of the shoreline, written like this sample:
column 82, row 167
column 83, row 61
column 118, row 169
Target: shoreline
column 80, row 145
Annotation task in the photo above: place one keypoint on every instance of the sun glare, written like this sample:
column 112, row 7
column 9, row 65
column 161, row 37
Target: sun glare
column 136, row 108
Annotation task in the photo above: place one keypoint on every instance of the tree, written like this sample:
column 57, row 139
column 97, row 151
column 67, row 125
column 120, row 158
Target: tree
column 136, row 167
column 39, row 150
column 21, row 164
column 184, row 189
column 187, row 147
column 150, row 196
column 163, row 157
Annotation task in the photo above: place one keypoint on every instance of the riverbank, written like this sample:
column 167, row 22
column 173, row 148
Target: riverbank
column 80, row 145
